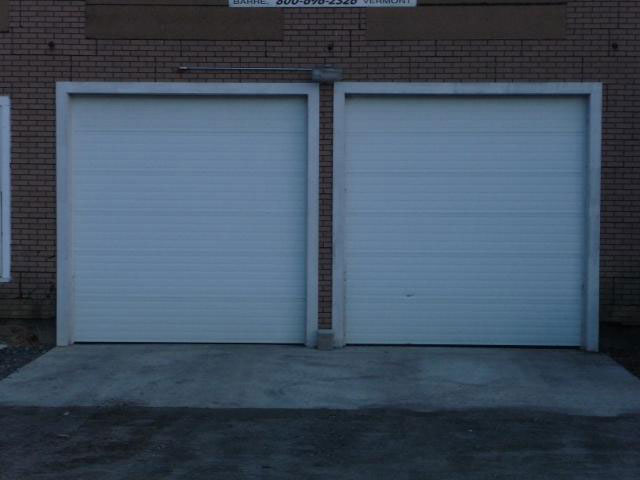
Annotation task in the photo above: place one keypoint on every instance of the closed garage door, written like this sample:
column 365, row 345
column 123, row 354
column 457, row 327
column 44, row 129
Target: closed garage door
column 188, row 218
column 464, row 219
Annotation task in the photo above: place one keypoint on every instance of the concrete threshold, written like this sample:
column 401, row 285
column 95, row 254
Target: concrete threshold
column 291, row 377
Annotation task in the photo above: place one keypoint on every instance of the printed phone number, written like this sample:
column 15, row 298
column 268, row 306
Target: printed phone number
column 316, row 2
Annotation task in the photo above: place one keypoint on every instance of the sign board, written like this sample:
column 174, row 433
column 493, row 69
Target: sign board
column 321, row 3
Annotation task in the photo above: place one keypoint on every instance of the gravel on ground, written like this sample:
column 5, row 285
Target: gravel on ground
column 12, row 358
column 629, row 359
column 622, row 343
column 192, row 444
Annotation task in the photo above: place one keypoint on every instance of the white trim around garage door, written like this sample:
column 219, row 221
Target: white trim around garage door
column 592, row 91
column 66, row 90
column 5, row 188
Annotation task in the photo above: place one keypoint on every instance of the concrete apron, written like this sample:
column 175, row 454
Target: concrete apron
column 269, row 376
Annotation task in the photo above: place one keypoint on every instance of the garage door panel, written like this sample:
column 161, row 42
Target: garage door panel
column 478, row 285
column 220, row 185
column 473, row 265
column 166, row 239
column 481, row 181
column 467, row 248
column 407, row 112
column 165, row 113
column 236, row 285
column 368, row 271
column 447, row 320
column 139, row 147
column 500, row 249
column 450, row 303
column 467, row 205
column 468, row 198
column 464, row 219
column 479, row 158
column 486, row 243
column 490, row 337
column 222, row 202
column 441, row 189
column 189, row 218
column 138, row 308
column 471, row 290
column 443, row 222
column 233, row 285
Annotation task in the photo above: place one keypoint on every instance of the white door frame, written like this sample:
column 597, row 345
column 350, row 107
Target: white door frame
column 5, row 189
column 64, row 93
column 591, row 91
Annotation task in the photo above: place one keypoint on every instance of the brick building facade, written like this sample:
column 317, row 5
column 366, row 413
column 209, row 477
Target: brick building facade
column 47, row 41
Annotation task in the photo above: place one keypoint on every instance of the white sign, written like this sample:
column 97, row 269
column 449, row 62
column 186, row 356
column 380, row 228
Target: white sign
column 321, row 3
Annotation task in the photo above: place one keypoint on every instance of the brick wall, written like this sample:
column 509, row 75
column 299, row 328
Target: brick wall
column 47, row 43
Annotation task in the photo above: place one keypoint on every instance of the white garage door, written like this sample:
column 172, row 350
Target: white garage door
column 465, row 219
column 188, row 219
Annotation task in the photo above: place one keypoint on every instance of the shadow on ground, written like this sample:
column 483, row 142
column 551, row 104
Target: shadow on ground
column 138, row 443
column 159, row 443
column 622, row 343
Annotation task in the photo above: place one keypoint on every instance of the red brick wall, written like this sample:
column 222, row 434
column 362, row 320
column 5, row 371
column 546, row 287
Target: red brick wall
column 30, row 66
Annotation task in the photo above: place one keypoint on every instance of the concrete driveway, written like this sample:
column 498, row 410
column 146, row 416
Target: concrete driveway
column 290, row 377
column 112, row 412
